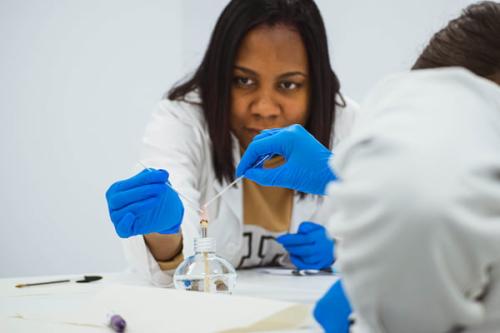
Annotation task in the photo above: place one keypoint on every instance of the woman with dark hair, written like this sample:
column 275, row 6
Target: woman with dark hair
column 417, row 207
column 267, row 66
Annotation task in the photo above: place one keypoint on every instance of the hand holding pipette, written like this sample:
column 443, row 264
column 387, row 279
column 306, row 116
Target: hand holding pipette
column 191, row 202
column 306, row 168
column 145, row 204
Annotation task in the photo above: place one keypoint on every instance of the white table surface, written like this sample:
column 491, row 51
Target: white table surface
column 18, row 305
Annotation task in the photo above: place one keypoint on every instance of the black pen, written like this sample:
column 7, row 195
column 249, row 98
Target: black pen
column 86, row 278
column 22, row 285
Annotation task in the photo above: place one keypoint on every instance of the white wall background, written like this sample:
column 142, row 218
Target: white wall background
column 78, row 80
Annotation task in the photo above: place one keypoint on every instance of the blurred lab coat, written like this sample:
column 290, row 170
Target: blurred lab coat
column 178, row 141
column 418, row 208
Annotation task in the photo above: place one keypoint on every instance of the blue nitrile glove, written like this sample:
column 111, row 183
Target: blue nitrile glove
column 144, row 204
column 333, row 310
column 306, row 168
column 310, row 247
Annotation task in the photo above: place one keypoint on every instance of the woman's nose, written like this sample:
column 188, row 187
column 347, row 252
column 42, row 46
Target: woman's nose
column 266, row 107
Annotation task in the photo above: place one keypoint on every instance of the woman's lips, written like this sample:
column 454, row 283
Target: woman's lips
column 255, row 130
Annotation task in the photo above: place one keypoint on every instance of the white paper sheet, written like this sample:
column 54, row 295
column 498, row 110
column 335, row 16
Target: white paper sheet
column 166, row 310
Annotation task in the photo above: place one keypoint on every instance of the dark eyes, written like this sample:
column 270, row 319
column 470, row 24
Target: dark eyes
column 246, row 82
column 243, row 81
column 287, row 85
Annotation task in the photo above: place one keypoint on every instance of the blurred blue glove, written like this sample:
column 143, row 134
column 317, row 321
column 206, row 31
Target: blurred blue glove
column 306, row 168
column 333, row 310
column 144, row 204
column 310, row 247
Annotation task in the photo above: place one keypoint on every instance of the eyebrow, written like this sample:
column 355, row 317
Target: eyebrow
column 253, row 73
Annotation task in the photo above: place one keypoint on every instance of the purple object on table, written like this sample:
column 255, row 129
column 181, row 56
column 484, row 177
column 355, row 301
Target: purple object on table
column 117, row 323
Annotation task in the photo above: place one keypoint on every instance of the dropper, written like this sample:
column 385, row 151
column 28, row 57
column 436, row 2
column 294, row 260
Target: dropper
column 259, row 163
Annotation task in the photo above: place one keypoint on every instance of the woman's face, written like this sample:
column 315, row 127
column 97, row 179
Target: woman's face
column 270, row 85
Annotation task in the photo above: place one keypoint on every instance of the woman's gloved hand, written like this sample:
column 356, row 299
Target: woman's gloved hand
column 144, row 204
column 306, row 168
column 310, row 247
column 333, row 310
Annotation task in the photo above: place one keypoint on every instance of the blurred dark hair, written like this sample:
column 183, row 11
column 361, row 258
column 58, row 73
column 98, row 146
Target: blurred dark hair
column 213, row 78
column 471, row 41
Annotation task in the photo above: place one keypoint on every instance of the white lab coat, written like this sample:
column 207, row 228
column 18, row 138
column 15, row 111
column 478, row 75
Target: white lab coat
column 177, row 140
column 418, row 208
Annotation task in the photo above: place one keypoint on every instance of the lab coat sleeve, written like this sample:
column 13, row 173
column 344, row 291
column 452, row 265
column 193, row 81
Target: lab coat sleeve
column 416, row 208
column 345, row 118
column 173, row 141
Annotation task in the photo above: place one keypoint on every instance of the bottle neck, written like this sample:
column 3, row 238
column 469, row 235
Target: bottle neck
column 204, row 245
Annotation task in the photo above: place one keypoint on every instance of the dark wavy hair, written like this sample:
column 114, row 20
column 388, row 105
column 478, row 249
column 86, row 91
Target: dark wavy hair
column 471, row 41
column 213, row 78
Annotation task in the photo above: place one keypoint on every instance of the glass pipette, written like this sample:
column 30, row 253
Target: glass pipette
column 193, row 204
column 259, row 163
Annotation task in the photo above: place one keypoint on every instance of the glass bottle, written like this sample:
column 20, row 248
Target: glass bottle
column 205, row 271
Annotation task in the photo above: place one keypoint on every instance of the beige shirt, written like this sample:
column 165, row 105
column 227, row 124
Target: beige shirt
column 267, row 212
column 265, row 206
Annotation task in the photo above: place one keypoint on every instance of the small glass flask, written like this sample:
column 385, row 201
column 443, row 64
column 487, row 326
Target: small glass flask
column 204, row 271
